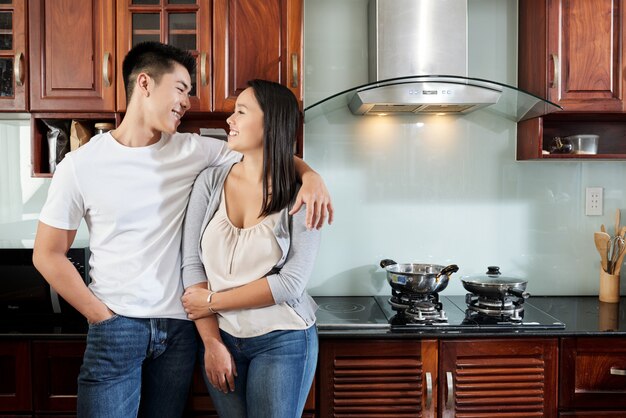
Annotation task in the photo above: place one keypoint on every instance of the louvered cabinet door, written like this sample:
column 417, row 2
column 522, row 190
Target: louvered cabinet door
column 386, row 379
column 498, row 378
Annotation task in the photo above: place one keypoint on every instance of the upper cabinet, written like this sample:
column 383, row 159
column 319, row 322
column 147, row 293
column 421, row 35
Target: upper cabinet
column 256, row 39
column 72, row 55
column 13, row 56
column 182, row 23
column 571, row 51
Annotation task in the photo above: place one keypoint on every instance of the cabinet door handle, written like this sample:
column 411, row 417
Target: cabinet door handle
column 450, row 384
column 105, row 69
column 203, row 78
column 294, row 70
column 555, row 75
column 17, row 69
column 429, row 390
column 618, row 372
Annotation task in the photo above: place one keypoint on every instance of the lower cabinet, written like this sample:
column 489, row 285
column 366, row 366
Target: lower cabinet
column 39, row 378
column 498, row 377
column 15, row 392
column 447, row 378
column 593, row 377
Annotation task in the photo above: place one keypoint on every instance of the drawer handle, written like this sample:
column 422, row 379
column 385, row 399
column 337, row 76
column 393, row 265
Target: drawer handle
column 429, row 390
column 555, row 63
column 17, row 69
column 450, row 384
column 618, row 372
column 105, row 69
column 294, row 70
column 203, row 78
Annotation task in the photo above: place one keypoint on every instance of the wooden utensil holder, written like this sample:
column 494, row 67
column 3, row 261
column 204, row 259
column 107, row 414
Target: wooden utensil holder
column 609, row 287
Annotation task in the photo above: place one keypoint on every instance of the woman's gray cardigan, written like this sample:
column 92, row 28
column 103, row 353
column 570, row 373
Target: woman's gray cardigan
column 288, row 279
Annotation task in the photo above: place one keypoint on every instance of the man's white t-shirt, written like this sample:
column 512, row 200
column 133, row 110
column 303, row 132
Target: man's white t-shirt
column 133, row 201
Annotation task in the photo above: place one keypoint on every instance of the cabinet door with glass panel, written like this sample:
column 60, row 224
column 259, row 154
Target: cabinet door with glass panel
column 13, row 80
column 182, row 23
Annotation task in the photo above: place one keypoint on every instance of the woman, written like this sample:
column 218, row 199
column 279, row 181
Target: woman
column 255, row 318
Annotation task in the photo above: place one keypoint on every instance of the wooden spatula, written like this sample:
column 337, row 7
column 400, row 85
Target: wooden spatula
column 602, row 240
column 617, row 219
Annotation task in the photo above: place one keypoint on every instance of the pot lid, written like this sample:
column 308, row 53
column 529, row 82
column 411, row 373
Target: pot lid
column 493, row 276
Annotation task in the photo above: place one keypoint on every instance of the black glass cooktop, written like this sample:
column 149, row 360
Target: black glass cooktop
column 357, row 312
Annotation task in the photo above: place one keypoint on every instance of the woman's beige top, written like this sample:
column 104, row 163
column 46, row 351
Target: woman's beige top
column 233, row 257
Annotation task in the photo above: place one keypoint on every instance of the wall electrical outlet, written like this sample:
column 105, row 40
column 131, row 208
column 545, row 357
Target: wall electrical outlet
column 593, row 201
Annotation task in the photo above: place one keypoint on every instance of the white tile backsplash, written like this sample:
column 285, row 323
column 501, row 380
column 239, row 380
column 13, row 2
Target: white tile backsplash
column 450, row 190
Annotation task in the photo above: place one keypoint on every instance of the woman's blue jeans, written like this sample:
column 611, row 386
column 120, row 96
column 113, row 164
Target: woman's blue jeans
column 137, row 367
column 274, row 374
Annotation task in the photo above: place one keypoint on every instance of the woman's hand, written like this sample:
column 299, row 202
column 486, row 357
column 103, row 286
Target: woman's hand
column 195, row 304
column 219, row 366
column 315, row 196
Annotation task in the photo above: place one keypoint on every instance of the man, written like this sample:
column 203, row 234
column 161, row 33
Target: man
column 131, row 186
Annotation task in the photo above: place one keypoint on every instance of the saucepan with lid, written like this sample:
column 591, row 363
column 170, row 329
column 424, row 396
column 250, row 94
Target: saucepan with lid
column 418, row 278
column 495, row 286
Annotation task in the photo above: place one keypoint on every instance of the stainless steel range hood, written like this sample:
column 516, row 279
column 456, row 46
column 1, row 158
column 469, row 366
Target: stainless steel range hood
column 415, row 38
column 418, row 65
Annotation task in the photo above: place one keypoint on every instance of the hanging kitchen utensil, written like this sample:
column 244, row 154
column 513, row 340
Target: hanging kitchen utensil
column 494, row 285
column 418, row 278
column 602, row 240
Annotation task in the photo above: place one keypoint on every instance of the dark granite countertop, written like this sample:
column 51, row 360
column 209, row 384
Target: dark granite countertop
column 582, row 316
column 368, row 317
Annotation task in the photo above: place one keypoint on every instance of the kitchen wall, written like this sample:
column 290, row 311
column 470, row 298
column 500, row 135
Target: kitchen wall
column 425, row 189
column 21, row 196
column 443, row 189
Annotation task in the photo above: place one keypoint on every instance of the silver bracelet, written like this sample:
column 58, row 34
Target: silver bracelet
column 208, row 299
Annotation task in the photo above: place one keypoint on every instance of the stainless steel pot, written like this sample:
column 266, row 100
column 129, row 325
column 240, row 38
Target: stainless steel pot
column 418, row 278
column 493, row 285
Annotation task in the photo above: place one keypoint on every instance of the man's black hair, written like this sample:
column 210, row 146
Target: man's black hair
column 155, row 59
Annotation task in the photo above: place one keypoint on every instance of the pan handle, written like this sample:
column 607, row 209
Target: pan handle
column 519, row 293
column 386, row 262
column 448, row 270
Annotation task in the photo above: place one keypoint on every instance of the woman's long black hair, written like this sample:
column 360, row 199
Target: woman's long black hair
column 281, row 116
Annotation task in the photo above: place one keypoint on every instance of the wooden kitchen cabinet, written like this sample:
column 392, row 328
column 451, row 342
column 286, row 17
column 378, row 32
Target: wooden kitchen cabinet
column 233, row 41
column 570, row 52
column 382, row 378
column 593, row 377
column 15, row 391
column 56, row 365
column 13, row 56
column 409, row 378
column 254, row 39
column 186, row 24
column 498, row 378
column 72, row 55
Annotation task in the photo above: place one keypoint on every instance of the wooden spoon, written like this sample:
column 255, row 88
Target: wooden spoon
column 602, row 240
column 617, row 219
column 602, row 228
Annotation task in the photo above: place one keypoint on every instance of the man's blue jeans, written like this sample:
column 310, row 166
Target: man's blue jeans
column 136, row 367
column 274, row 374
